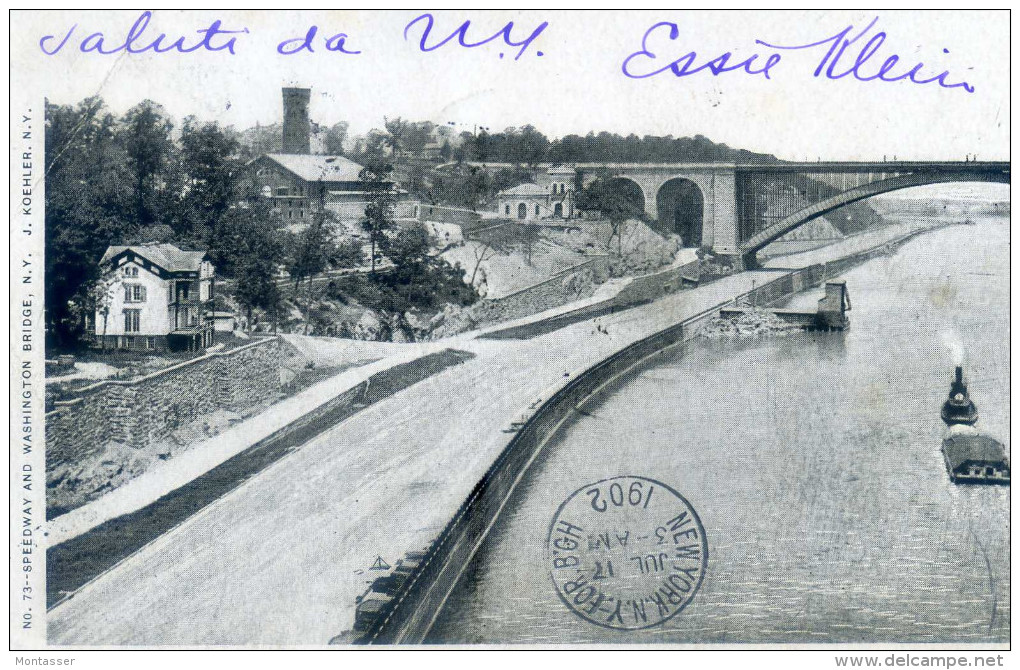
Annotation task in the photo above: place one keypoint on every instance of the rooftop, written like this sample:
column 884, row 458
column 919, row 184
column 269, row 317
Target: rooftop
column 962, row 447
column 525, row 189
column 166, row 256
column 318, row 168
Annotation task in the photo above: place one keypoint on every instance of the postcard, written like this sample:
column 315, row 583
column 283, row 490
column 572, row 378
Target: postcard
column 510, row 329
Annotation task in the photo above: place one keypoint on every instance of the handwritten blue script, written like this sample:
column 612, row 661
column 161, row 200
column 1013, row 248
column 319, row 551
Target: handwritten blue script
column 213, row 38
column 685, row 65
column 461, row 34
column 838, row 62
column 336, row 43
column 838, row 45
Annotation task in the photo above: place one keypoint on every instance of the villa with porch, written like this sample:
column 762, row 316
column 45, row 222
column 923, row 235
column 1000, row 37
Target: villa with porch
column 158, row 297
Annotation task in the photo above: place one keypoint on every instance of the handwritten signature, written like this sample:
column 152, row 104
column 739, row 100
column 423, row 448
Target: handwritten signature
column 646, row 63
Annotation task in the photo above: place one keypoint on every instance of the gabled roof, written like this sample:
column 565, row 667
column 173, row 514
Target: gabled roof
column 525, row 189
column 318, row 168
column 166, row 256
column 961, row 448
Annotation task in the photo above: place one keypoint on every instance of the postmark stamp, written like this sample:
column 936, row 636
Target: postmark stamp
column 626, row 552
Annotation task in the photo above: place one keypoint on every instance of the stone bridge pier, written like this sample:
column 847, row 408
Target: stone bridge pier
column 697, row 202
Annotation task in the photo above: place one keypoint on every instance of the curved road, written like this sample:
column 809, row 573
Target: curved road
column 281, row 559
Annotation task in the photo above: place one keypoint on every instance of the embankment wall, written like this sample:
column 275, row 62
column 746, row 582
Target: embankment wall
column 408, row 617
column 142, row 412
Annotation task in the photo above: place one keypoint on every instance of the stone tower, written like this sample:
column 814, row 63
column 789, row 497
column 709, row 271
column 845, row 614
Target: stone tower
column 296, row 126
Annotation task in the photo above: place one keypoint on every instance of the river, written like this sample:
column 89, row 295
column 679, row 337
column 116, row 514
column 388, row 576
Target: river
column 814, row 463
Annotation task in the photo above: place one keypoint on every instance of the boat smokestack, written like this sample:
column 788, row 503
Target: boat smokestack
column 958, row 407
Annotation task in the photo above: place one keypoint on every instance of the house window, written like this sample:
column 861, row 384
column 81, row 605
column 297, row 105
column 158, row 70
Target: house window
column 132, row 320
column 134, row 293
column 150, row 343
column 536, row 210
column 301, row 214
column 130, row 271
column 508, row 210
column 129, row 342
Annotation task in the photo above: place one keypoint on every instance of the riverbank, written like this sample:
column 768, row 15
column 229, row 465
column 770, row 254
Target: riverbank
column 814, row 463
column 403, row 458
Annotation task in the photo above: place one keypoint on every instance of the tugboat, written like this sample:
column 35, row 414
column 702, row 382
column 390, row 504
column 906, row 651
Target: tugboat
column 971, row 458
column 958, row 407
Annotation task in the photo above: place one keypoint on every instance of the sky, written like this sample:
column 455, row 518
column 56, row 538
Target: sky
column 575, row 86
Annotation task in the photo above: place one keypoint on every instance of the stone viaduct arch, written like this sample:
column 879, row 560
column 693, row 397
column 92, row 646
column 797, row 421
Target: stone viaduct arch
column 715, row 182
column 630, row 189
column 680, row 208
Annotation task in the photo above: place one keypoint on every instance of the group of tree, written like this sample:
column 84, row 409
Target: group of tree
column 528, row 146
column 133, row 179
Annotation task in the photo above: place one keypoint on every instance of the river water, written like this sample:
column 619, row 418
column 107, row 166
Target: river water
column 814, row 463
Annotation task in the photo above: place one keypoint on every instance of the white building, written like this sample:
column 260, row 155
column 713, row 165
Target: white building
column 551, row 198
column 157, row 297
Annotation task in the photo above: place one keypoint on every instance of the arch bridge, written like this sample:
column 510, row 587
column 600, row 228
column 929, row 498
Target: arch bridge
column 737, row 209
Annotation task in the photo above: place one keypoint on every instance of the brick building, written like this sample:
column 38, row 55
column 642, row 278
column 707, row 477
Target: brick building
column 301, row 183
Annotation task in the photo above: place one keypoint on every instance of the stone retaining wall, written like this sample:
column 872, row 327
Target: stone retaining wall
column 548, row 293
column 142, row 412
column 653, row 286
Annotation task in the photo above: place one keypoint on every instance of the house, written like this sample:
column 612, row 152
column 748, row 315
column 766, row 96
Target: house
column 301, row 183
column 551, row 198
column 158, row 297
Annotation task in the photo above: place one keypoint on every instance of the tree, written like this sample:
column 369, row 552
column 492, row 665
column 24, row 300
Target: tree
column 409, row 248
column 209, row 170
column 145, row 136
column 255, row 270
column 98, row 297
column 527, row 146
column 609, row 198
column 396, row 134
column 336, row 135
column 378, row 219
column 248, row 245
column 89, row 205
column 314, row 251
column 482, row 253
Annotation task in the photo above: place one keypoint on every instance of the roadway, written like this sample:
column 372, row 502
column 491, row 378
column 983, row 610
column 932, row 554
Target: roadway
column 281, row 559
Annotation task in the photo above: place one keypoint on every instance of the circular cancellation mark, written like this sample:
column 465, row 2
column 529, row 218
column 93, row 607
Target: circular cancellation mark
column 626, row 552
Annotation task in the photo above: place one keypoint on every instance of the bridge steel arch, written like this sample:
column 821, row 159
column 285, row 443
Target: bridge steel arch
column 750, row 247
